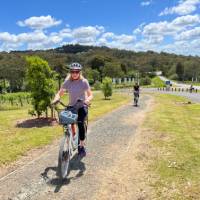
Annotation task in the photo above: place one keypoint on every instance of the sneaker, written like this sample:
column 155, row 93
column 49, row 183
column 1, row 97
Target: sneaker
column 81, row 151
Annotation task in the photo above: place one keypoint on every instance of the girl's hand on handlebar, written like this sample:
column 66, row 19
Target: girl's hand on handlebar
column 87, row 102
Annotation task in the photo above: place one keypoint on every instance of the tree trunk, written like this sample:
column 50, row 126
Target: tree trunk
column 52, row 115
column 46, row 112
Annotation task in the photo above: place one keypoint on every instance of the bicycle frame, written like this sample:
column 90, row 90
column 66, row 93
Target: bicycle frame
column 71, row 143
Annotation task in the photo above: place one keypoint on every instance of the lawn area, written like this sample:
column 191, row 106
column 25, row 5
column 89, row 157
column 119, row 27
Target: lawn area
column 176, row 144
column 157, row 82
column 15, row 141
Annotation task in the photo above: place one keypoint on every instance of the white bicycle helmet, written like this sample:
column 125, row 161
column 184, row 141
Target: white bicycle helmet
column 75, row 66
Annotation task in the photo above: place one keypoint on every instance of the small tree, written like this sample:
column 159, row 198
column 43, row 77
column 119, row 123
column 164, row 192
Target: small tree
column 180, row 70
column 39, row 78
column 145, row 81
column 107, row 87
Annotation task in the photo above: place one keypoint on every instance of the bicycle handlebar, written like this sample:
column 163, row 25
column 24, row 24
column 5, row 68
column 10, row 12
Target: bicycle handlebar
column 64, row 105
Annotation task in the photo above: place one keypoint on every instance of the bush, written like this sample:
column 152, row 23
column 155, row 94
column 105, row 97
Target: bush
column 152, row 75
column 107, row 87
column 39, row 78
column 145, row 81
column 97, row 85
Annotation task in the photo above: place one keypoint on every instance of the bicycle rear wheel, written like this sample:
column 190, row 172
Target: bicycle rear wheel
column 64, row 156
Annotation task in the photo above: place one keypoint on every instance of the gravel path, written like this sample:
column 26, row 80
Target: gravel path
column 108, row 137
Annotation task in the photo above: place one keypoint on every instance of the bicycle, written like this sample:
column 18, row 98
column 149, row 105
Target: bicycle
column 70, row 141
column 136, row 98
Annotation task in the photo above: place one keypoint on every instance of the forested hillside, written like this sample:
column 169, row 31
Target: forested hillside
column 98, row 62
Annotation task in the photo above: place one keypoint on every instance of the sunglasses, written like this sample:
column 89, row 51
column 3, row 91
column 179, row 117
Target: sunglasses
column 74, row 72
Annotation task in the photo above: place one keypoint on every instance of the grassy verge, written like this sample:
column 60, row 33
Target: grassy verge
column 176, row 143
column 191, row 83
column 157, row 82
column 16, row 141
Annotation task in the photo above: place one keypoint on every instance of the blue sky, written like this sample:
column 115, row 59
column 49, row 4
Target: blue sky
column 139, row 25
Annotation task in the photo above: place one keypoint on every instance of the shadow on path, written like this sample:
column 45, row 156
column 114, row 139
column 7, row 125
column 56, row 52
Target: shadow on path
column 75, row 165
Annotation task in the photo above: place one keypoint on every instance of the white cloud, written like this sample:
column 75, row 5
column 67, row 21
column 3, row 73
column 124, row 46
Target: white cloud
column 171, row 28
column 65, row 33
column 85, row 32
column 183, row 33
column 188, row 20
column 138, row 30
column 10, row 46
column 183, row 47
column 36, row 36
column 189, row 34
column 125, row 39
column 7, row 37
column 41, row 22
column 110, row 37
column 145, row 3
column 184, row 7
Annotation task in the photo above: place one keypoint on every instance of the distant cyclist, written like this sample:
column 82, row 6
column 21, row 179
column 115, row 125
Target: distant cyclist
column 78, row 88
column 136, row 92
column 191, row 88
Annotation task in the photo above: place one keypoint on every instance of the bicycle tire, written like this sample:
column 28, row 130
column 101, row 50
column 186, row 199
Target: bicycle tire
column 64, row 157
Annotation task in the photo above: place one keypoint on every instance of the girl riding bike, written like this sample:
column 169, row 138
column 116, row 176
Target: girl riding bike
column 136, row 93
column 78, row 88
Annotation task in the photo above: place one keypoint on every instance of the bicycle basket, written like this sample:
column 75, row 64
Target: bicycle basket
column 67, row 117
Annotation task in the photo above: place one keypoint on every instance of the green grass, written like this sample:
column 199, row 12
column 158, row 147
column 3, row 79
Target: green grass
column 176, row 139
column 15, row 141
column 14, row 100
column 193, row 83
column 157, row 82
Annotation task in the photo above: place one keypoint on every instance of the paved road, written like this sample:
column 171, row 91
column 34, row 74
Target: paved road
column 108, row 136
column 195, row 97
column 182, row 85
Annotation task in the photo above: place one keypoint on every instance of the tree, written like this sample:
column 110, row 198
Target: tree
column 12, row 69
column 145, row 81
column 107, row 87
column 180, row 70
column 92, row 75
column 39, row 78
column 97, row 63
column 192, row 70
column 113, row 70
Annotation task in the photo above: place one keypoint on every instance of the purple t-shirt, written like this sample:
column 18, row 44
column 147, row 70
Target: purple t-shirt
column 77, row 89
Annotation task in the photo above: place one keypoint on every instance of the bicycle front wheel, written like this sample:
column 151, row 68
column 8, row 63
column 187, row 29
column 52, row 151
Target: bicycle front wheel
column 64, row 157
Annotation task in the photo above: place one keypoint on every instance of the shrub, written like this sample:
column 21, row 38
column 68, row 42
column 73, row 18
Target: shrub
column 107, row 87
column 39, row 78
column 145, row 81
